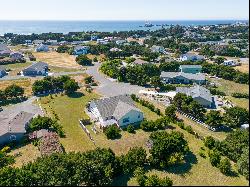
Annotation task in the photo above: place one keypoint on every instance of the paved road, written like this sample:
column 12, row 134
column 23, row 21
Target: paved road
column 16, row 77
column 9, row 112
column 108, row 87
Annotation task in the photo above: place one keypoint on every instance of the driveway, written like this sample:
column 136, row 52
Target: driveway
column 9, row 112
column 109, row 87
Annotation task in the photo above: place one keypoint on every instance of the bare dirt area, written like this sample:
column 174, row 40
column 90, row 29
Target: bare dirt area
column 57, row 59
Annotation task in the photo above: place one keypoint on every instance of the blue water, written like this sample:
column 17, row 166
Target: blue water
column 28, row 27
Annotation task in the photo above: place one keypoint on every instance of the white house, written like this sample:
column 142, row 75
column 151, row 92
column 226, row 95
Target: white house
column 42, row 48
column 230, row 63
column 191, row 57
column 158, row 49
column 118, row 110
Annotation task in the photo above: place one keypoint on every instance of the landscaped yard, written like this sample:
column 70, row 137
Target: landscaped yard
column 57, row 59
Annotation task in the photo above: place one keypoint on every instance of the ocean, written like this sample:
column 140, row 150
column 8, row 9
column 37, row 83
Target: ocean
column 29, row 27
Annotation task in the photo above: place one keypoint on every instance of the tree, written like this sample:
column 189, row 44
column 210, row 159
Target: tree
column 225, row 166
column 214, row 119
column 209, row 142
column 236, row 116
column 243, row 163
column 63, row 49
column 170, row 112
column 14, row 91
column 215, row 157
column 70, row 86
column 156, row 81
column 154, row 180
column 112, row 132
column 168, row 148
column 5, row 159
column 88, row 79
column 131, row 129
column 220, row 60
column 83, row 60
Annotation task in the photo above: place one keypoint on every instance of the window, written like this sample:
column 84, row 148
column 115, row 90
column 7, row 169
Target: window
column 126, row 120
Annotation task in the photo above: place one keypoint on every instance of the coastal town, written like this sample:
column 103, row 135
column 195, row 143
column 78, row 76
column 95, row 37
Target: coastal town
column 170, row 105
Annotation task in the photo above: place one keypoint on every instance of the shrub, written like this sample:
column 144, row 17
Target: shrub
column 209, row 142
column 225, row 166
column 189, row 129
column 112, row 132
column 240, row 95
column 215, row 157
column 131, row 129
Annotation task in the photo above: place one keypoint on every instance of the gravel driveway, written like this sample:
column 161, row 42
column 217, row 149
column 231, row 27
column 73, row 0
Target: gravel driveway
column 109, row 88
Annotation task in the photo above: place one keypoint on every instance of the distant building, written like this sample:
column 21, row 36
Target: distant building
column 198, row 93
column 191, row 57
column 16, row 55
column 120, row 42
column 15, row 129
column 191, row 69
column 52, row 42
column 42, row 48
column 2, row 72
column 38, row 42
column 102, row 41
column 37, row 69
column 119, row 110
column 140, row 62
column 28, row 42
column 245, row 126
column 182, row 78
column 158, row 49
column 230, row 63
column 81, row 50
column 115, row 49
column 4, row 50
column 94, row 37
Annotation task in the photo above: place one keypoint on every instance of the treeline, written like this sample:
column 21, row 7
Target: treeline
column 226, row 72
column 55, row 84
column 100, row 166
column 10, row 94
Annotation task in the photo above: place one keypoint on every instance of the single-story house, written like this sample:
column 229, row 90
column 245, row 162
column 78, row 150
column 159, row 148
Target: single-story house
column 15, row 129
column 115, row 50
column 81, row 50
column 198, row 93
column 2, row 72
column 230, row 63
column 38, row 42
column 4, row 50
column 157, row 49
column 140, row 62
column 191, row 69
column 182, row 78
column 52, row 42
column 28, row 42
column 102, row 41
column 16, row 55
column 42, row 48
column 191, row 57
column 37, row 69
column 119, row 110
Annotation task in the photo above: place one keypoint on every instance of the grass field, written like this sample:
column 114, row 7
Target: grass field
column 57, row 59
column 243, row 68
column 24, row 83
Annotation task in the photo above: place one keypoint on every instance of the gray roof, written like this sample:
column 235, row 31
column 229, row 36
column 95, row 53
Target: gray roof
column 116, row 106
column 39, row 66
column 76, row 48
column 191, row 66
column 17, row 124
column 196, row 91
column 189, row 76
column 4, row 47
column 140, row 62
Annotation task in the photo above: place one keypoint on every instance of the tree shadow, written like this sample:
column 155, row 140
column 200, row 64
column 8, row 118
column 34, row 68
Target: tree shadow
column 14, row 101
column 121, row 180
column 75, row 95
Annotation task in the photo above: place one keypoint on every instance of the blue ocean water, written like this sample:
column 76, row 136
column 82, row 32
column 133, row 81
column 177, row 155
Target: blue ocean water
column 28, row 27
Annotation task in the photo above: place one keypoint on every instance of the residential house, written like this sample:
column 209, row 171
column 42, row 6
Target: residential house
column 16, row 55
column 198, row 93
column 52, row 42
column 140, row 62
column 37, row 69
column 115, row 50
column 94, row 37
column 81, row 50
column 119, row 110
column 191, row 69
column 182, row 78
column 15, row 129
column 4, row 50
column 42, row 48
column 38, row 42
column 2, row 72
column 191, row 57
column 102, row 41
column 120, row 42
column 158, row 49
column 230, row 63
column 28, row 42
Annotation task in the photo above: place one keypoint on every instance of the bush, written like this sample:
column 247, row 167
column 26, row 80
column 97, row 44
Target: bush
column 112, row 132
column 225, row 166
column 240, row 95
column 131, row 129
column 215, row 157
column 181, row 125
column 189, row 129
column 209, row 142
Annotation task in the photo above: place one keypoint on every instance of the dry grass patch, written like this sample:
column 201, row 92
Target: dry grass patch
column 57, row 59
column 243, row 68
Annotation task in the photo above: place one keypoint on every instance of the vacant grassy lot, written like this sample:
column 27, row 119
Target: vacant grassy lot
column 243, row 68
column 57, row 59
column 24, row 83
column 17, row 67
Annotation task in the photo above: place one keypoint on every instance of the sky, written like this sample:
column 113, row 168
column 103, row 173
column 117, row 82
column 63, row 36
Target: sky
column 124, row 9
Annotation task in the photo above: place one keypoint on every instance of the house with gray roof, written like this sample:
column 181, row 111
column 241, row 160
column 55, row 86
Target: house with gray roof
column 37, row 69
column 182, row 78
column 191, row 57
column 15, row 129
column 2, row 72
column 119, row 110
column 191, row 68
column 4, row 50
column 198, row 93
column 42, row 48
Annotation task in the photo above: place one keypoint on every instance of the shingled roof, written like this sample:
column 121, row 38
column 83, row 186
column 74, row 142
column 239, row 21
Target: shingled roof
column 39, row 66
column 189, row 76
column 116, row 106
